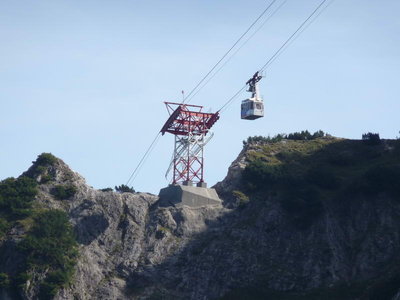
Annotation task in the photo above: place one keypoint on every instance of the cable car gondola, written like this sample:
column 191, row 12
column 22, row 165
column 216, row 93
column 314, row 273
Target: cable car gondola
column 253, row 108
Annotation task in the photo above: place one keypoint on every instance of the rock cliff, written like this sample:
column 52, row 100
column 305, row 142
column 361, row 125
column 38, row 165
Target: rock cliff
column 258, row 245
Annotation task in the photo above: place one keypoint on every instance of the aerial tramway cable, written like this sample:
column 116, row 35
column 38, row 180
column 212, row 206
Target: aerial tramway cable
column 277, row 53
column 153, row 143
column 237, row 50
column 296, row 33
column 284, row 46
column 302, row 30
column 143, row 159
column 230, row 49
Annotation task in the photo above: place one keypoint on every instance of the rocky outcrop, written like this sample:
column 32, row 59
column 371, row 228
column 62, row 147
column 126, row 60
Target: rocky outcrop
column 120, row 235
column 131, row 248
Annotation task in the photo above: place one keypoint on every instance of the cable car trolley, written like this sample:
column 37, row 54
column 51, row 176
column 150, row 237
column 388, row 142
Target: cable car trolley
column 253, row 108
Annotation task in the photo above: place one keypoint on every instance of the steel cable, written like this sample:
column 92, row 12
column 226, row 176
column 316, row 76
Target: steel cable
column 230, row 49
column 143, row 159
column 299, row 30
column 237, row 50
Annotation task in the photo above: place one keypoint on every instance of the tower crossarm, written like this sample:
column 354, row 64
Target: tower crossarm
column 190, row 126
column 183, row 121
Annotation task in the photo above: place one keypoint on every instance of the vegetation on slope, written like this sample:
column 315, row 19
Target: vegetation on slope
column 16, row 196
column 304, row 135
column 48, row 246
column 303, row 174
column 41, row 168
column 124, row 189
column 62, row 192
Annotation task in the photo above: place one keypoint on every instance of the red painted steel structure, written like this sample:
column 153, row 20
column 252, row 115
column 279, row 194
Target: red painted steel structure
column 189, row 125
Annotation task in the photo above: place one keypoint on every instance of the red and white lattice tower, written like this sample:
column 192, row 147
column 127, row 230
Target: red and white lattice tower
column 190, row 127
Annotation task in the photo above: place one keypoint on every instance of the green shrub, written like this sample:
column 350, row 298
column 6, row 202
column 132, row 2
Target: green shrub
column 259, row 174
column 50, row 246
column 263, row 139
column 46, row 178
column 107, row 190
column 22, row 278
column 48, row 290
column 4, row 280
column 371, row 138
column 383, row 178
column 323, row 177
column 240, row 197
column 124, row 189
column 41, row 168
column 16, row 196
column 341, row 159
column 318, row 134
column 3, row 227
column 289, row 156
column 45, row 159
column 161, row 232
column 300, row 136
column 63, row 192
column 303, row 135
column 51, row 240
column 53, row 282
column 302, row 205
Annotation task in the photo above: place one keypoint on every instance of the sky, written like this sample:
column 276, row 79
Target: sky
column 86, row 80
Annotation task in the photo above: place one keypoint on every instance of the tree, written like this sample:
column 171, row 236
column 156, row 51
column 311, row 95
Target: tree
column 45, row 159
column 16, row 196
column 63, row 192
column 318, row 134
column 124, row 189
column 371, row 138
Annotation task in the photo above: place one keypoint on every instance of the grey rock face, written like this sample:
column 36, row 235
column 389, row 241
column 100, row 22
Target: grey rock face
column 120, row 235
column 131, row 248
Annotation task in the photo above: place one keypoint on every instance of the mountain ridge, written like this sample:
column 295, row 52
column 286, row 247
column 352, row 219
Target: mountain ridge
column 253, row 246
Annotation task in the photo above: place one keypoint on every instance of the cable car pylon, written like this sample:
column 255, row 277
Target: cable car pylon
column 249, row 114
column 190, row 127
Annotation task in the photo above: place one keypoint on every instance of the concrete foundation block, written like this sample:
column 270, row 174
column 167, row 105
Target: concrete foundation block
column 179, row 195
column 201, row 184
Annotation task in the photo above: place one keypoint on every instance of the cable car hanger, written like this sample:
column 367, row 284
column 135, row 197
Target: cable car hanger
column 253, row 107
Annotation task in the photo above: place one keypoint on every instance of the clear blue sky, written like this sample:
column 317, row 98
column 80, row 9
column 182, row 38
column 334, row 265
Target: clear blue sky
column 85, row 80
